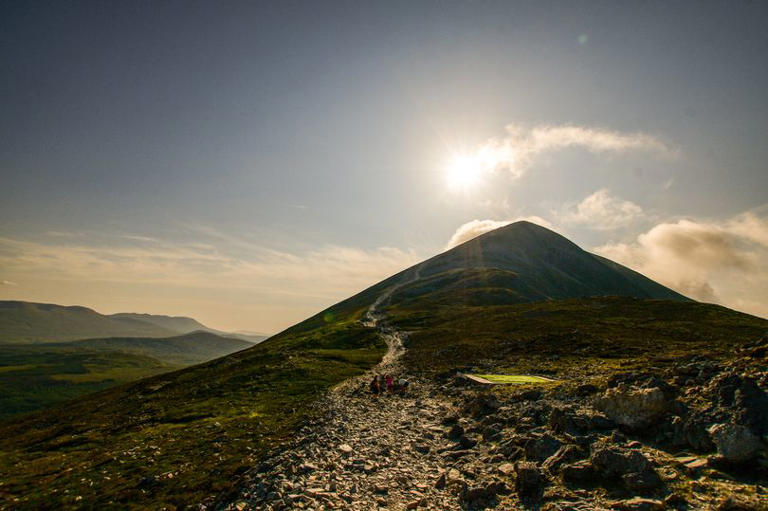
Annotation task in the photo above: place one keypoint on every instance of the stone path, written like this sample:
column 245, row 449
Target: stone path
column 386, row 452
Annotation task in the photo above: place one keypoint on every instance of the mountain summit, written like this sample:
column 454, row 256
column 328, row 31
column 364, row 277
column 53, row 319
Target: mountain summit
column 520, row 262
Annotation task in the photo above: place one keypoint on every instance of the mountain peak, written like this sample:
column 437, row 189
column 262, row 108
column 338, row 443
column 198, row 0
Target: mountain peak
column 517, row 263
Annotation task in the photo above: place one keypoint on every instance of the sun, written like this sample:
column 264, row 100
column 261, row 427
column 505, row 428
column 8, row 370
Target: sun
column 464, row 172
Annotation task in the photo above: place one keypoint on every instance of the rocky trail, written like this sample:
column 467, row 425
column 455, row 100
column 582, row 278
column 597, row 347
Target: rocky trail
column 368, row 452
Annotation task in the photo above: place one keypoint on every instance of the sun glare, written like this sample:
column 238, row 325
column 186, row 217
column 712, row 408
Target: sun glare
column 464, row 172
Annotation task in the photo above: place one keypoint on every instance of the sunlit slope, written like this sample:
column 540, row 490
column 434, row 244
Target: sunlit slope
column 569, row 339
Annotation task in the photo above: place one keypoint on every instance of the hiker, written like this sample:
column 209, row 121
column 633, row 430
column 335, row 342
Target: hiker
column 375, row 386
column 402, row 386
column 390, row 383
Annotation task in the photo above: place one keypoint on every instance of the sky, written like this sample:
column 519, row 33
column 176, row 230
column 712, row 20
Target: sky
column 251, row 163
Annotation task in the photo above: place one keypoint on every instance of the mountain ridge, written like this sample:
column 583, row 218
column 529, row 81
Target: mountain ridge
column 34, row 322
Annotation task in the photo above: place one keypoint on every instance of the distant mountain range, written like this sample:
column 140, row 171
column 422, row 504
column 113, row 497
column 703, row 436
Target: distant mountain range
column 28, row 322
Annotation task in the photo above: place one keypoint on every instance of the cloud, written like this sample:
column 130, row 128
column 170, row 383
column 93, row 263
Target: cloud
column 7, row 283
column 475, row 228
column 601, row 210
column 519, row 148
column 324, row 274
column 721, row 261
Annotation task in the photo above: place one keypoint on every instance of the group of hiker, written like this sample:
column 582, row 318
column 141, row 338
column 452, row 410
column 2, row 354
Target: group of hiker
column 382, row 383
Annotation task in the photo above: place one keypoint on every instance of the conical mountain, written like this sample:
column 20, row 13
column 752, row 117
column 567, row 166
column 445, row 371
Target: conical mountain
column 518, row 263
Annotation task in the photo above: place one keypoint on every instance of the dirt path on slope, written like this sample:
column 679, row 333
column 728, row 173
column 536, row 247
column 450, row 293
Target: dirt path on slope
column 369, row 452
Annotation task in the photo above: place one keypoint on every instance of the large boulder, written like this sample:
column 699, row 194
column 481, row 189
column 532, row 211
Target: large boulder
column 735, row 442
column 481, row 405
column 615, row 462
column 541, row 447
column 633, row 407
column 530, row 481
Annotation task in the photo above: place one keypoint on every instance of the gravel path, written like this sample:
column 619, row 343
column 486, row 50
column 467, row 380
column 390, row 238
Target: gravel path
column 368, row 452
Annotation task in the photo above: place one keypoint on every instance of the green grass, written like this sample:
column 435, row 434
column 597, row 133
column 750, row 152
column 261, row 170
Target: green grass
column 571, row 340
column 34, row 377
column 516, row 379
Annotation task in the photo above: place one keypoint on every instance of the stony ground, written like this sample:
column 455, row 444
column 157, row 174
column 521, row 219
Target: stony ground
column 367, row 452
column 690, row 437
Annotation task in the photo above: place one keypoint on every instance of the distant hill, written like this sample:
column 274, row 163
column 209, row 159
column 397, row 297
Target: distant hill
column 187, row 349
column 28, row 322
column 179, row 324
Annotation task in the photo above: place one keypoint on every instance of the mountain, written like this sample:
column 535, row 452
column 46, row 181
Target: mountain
column 183, row 325
column 520, row 298
column 181, row 350
column 179, row 324
column 518, row 263
column 28, row 322
column 25, row 322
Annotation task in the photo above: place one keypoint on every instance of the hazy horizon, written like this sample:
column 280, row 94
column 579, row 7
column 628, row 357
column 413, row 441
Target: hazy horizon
column 248, row 164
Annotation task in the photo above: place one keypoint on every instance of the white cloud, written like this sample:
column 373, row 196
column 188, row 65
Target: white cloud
column 601, row 210
column 722, row 261
column 7, row 283
column 475, row 228
column 516, row 151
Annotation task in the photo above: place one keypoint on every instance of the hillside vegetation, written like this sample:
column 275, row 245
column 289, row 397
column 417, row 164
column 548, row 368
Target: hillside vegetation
column 35, row 376
column 180, row 350
column 175, row 439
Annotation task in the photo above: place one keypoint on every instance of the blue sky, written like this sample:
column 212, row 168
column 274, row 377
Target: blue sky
column 249, row 163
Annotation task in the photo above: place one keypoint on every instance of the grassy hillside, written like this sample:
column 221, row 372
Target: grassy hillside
column 25, row 322
column 175, row 439
column 570, row 339
column 36, row 376
column 33, row 377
